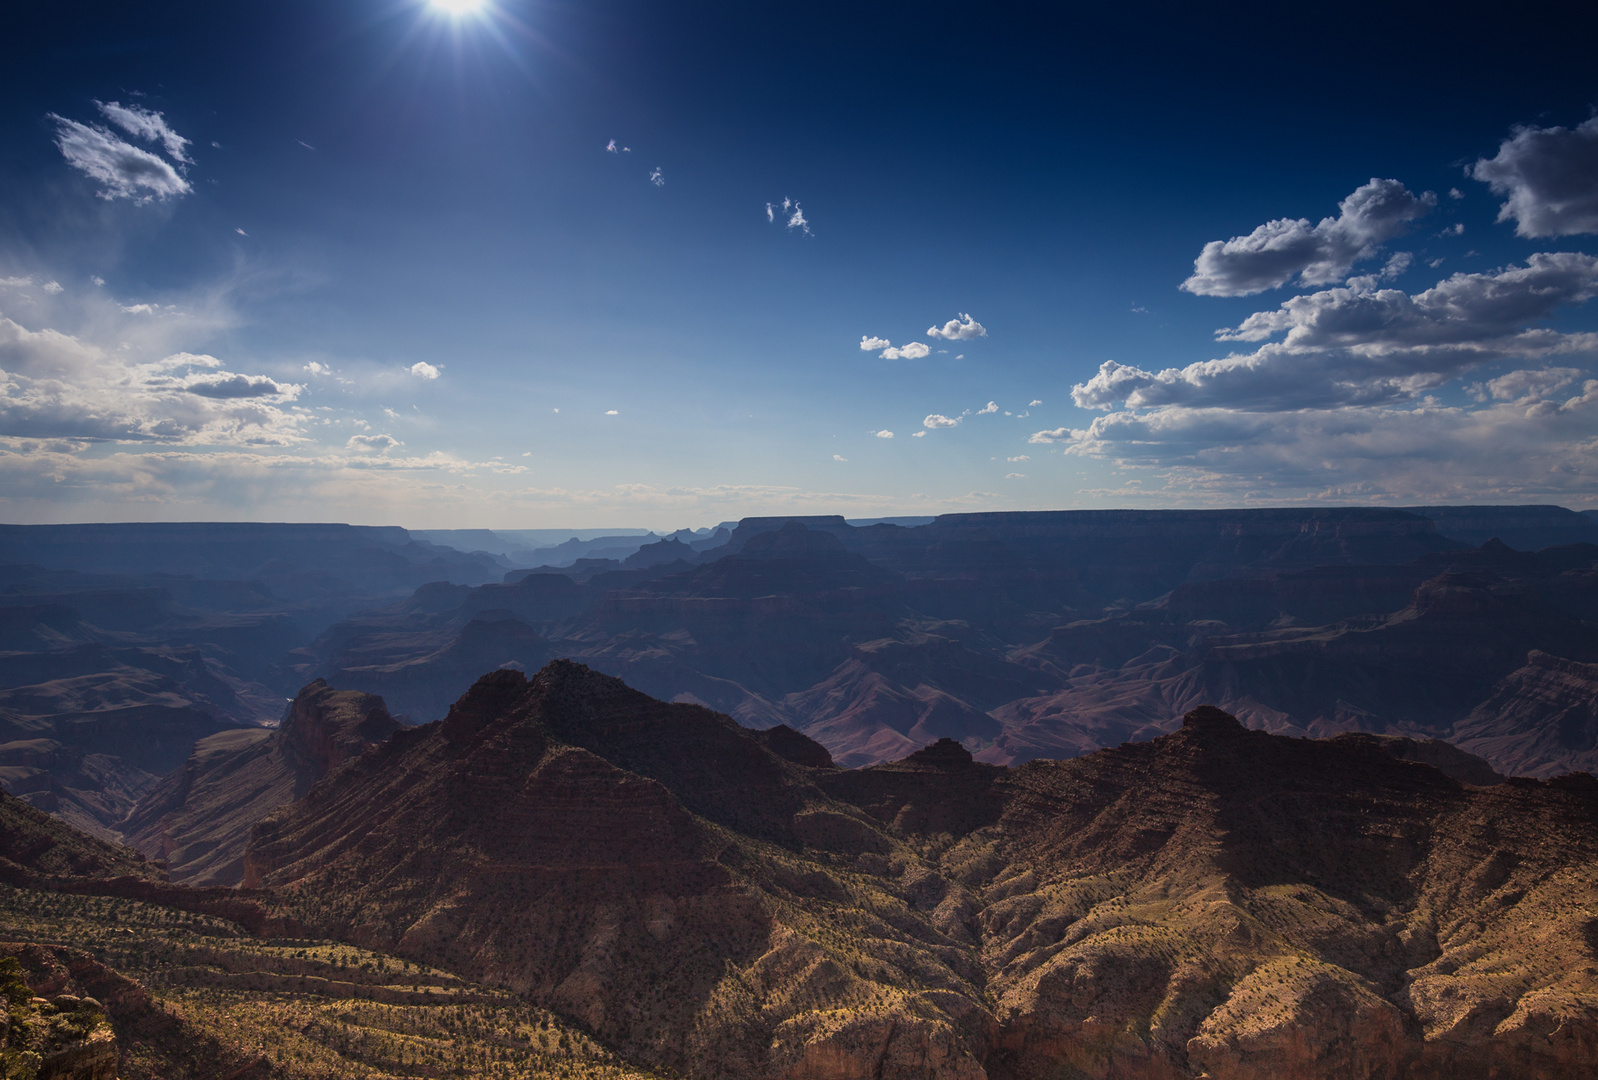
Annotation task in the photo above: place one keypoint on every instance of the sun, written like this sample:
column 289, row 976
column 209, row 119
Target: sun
column 458, row 8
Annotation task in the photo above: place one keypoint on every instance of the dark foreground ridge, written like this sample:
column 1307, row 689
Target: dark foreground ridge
column 726, row 903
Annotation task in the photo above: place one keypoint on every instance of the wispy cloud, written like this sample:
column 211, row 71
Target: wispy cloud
column 657, row 177
column 791, row 214
column 148, row 125
column 126, row 171
column 1319, row 254
column 962, row 329
column 1548, row 178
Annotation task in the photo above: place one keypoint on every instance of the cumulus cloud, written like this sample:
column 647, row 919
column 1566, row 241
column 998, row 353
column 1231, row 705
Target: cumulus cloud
column 373, row 443
column 223, row 385
column 1428, row 452
column 1342, row 397
column 1015, row 476
column 423, row 370
column 1548, row 178
column 839, row 457
column 126, row 171
column 938, row 420
column 868, row 342
column 148, row 125
column 918, row 434
column 612, row 412
column 55, row 385
column 914, row 350
column 990, row 407
column 883, row 434
column 1020, row 457
column 962, row 329
column 1319, row 254
column 1366, row 345
column 52, row 287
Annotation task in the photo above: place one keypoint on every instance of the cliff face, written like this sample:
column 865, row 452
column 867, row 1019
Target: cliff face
column 1216, row 901
column 1541, row 720
column 199, row 818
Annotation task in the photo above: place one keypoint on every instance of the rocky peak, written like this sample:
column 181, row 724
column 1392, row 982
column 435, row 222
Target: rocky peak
column 796, row 747
column 489, row 698
column 1208, row 720
column 946, row 753
column 327, row 727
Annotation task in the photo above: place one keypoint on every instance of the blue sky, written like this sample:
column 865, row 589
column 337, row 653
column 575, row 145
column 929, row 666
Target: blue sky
column 377, row 262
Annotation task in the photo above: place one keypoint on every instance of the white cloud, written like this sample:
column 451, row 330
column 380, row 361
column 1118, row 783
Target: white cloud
column 868, row 343
column 51, row 287
column 883, row 434
column 1364, row 345
column 1020, row 457
column 612, row 412
column 938, row 420
column 55, row 385
column 1397, row 265
column 373, row 443
column 97, row 279
column 1340, row 403
column 1275, row 252
column 148, row 125
column 1548, row 178
column 1455, row 193
column 316, row 367
column 962, row 329
column 611, row 146
column 657, row 177
column 918, row 435
column 990, row 407
column 126, row 171
column 423, row 370
column 839, row 457
column 1015, row 476
column 15, row 282
column 911, row 351
column 1034, row 402
column 1456, row 229
column 796, row 220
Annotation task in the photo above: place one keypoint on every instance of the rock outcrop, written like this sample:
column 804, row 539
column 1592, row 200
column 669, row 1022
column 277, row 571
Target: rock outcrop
column 1217, row 901
column 198, row 820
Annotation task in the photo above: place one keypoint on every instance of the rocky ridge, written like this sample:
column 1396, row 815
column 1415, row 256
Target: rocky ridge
column 1216, row 901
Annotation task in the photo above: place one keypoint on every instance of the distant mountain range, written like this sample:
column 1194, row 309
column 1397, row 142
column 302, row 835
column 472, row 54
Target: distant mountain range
column 1018, row 635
